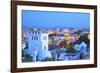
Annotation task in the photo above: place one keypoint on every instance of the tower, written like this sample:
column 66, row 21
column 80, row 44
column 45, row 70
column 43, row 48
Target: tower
column 37, row 42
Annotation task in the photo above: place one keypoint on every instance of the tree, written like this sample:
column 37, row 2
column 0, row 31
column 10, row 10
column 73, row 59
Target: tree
column 71, row 45
column 63, row 44
column 71, row 49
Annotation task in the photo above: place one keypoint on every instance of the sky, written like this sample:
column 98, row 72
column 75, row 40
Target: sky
column 52, row 20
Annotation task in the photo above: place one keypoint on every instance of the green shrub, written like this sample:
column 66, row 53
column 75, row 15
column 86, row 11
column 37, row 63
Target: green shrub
column 71, row 50
column 48, row 59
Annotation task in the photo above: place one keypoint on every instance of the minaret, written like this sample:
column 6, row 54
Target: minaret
column 37, row 42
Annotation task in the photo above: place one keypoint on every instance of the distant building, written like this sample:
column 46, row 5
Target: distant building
column 82, row 48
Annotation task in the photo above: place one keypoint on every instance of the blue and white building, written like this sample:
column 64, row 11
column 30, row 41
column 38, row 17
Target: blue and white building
column 38, row 45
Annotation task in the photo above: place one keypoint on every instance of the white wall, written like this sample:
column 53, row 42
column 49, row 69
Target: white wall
column 5, row 36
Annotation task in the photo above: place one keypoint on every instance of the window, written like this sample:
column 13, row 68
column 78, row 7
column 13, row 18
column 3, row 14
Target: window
column 32, row 37
column 44, row 47
column 44, row 38
column 35, row 38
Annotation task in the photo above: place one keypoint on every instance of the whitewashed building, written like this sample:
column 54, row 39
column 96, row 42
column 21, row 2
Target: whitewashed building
column 38, row 45
column 82, row 47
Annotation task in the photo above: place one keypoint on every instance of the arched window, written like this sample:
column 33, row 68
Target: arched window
column 35, row 37
column 32, row 37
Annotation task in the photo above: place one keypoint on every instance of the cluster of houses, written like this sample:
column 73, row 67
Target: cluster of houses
column 38, row 49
